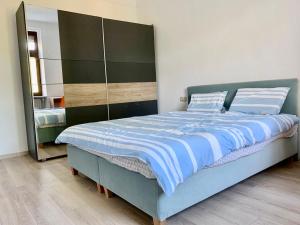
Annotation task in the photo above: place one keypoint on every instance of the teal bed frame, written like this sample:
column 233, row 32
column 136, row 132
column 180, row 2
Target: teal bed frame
column 48, row 134
column 147, row 195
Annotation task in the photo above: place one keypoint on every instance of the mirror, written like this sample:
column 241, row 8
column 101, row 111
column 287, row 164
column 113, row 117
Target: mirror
column 46, row 79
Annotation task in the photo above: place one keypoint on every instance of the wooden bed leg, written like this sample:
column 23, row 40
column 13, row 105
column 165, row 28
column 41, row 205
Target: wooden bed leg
column 100, row 188
column 108, row 193
column 74, row 171
column 41, row 145
column 159, row 222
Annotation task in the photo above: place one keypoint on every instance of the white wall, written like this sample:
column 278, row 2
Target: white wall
column 12, row 124
column 216, row 41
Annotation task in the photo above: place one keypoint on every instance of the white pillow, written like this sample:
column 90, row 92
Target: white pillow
column 259, row 100
column 208, row 102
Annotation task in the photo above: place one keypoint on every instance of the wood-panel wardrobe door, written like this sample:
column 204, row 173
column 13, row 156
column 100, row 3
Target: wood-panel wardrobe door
column 130, row 61
column 26, row 82
column 81, row 41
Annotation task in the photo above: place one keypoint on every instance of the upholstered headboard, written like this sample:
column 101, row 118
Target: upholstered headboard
column 290, row 105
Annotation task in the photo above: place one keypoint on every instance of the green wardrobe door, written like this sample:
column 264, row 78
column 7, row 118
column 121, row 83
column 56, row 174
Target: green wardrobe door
column 130, row 61
column 26, row 82
column 130, row 109
column 131, row 42
column 125, row 72
column 81, row 41
column 80, row 36
column 129, row 49
column 85, row 114
column 83, row 72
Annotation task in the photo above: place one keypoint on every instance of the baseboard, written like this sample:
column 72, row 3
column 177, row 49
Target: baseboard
column 12, row 155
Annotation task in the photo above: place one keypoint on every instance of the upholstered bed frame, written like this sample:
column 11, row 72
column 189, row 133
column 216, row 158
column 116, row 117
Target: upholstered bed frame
column 146, row 194
column 48, row 134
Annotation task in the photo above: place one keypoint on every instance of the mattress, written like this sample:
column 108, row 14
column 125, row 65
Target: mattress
column 139, row 166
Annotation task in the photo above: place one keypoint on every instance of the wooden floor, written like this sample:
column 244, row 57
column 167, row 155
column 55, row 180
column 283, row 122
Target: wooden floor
column 46, row 193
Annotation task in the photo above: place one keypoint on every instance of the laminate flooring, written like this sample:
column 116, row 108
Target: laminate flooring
column 47, row 194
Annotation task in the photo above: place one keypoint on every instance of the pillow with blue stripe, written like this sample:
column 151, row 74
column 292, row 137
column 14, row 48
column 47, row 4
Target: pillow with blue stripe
column 208, row 102
column 261, row 101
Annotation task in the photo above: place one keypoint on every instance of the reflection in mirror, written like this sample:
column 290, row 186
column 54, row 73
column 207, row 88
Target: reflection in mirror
column 46, row 79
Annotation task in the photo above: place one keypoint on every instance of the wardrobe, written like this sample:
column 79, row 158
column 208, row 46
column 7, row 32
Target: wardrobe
column 108, row 69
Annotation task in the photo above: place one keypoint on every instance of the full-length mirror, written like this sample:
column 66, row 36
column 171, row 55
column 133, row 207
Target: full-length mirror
column 46, row 79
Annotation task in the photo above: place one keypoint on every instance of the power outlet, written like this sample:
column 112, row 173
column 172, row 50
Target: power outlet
column 183, row 99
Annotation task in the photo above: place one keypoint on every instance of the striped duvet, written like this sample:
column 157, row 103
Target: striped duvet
column 176, row 145
column 49, row 117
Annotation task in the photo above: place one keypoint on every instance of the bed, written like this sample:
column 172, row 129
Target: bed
column 49, row 124
column 161, row 201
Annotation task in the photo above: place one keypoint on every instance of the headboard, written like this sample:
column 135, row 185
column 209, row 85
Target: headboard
column 290, row 105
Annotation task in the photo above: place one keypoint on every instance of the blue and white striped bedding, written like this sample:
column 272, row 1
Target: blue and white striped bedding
column 259, row 100
column 176, row 145
column 207, row 102
column 49, row 117
column 140, row 167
